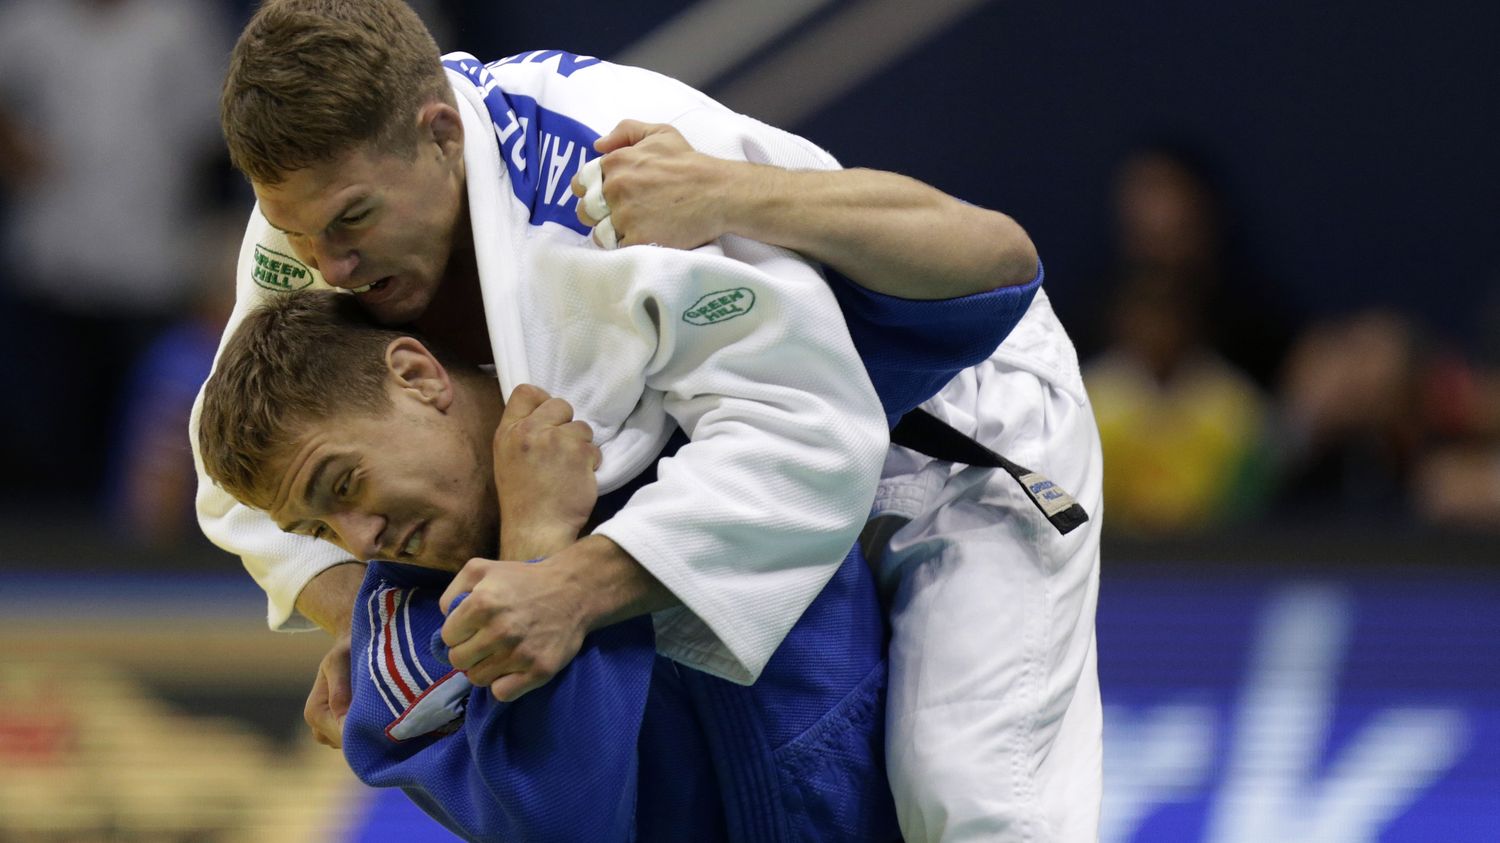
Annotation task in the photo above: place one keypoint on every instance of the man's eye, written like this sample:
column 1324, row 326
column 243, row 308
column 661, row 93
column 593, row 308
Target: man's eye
column 354, row 218
column 342, row 490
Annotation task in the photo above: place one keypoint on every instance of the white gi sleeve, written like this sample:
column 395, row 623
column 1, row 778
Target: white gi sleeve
column 749, row 520
column 281, row 563
column 747, row 580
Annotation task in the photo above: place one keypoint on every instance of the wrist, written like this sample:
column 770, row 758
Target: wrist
column 612, row 586
column 532, row 540
column 745, row 198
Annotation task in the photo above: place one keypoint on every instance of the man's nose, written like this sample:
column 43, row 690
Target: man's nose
column 362, row 533
column 336, row 261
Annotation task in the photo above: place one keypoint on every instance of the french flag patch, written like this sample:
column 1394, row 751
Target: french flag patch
column 424, row 695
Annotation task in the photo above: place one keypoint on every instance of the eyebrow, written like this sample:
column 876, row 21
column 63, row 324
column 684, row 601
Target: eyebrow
column 315, row 479
column 343, row 212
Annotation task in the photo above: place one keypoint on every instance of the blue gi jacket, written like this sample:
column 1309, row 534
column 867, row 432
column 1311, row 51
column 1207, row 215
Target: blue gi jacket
column 623, row 744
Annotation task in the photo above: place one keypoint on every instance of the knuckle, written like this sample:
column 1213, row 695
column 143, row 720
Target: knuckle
column 545, row 668
column 523, row 658
column 624, row 181
column 482, row 601
column 475, row 566
column 460, row 659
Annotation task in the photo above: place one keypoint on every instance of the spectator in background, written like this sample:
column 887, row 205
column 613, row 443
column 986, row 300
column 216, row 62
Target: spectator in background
column 152, row 481
column 1458, row 478
column 1171, row 220
column 1352, row 422
column 1459, row 486
column 1184, row 430
column 106, row 115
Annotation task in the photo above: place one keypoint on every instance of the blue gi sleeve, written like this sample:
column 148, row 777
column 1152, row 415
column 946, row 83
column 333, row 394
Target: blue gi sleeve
column 913, row 348
column 560, row 764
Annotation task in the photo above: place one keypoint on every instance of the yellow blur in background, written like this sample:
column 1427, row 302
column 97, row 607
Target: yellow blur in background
column 108, row 732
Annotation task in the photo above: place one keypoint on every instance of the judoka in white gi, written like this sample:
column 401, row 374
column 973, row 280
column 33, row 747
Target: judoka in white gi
column 747, row 521
column 993, row 720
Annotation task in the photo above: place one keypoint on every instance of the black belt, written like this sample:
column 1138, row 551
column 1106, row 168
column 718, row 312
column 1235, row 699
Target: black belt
column 925, row 433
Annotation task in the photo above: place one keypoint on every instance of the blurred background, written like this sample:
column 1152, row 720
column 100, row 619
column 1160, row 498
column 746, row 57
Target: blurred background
column 1272, row 228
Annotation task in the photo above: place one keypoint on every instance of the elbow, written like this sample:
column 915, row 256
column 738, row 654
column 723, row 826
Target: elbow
column 1015, row 257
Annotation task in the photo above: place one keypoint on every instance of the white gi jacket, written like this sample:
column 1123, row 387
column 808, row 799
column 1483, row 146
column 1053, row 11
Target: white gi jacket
column 747, row 352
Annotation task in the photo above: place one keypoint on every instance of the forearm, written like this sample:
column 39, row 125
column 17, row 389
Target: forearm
column 611, row 585
column 889, row 233
column 328, row 599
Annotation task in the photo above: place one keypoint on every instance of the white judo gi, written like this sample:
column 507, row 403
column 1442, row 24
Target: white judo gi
column 748, row 521
column 993, row 720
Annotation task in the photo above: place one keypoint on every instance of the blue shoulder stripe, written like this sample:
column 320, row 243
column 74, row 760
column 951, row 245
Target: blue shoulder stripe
column 542, row 149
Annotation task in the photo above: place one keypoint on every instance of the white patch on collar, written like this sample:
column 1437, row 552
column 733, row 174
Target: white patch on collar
column 437, row 710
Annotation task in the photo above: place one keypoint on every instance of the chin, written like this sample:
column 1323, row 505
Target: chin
column 462, row 552
column 444, row 565
column 404, row 303
column 395, row 313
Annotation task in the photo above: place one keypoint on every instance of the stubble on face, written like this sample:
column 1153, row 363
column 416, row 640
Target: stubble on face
column 417, row 476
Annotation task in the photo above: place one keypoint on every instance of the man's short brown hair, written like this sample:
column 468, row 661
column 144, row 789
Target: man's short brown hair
column 299, row 360
column 312, row 79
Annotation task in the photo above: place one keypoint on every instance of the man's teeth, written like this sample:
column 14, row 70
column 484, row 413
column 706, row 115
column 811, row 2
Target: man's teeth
column 413, row 545
column 368, row 287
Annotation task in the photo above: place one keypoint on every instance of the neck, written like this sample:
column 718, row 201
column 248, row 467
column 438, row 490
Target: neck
column 482, row 395
column 457, row 311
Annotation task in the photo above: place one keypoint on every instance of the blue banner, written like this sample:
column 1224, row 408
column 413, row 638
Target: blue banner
column 1331, row 711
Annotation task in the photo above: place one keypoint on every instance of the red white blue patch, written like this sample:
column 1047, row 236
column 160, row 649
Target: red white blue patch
column 403, row 672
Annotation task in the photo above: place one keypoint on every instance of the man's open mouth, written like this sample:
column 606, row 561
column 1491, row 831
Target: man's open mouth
column 377, row 285
column 413, row 545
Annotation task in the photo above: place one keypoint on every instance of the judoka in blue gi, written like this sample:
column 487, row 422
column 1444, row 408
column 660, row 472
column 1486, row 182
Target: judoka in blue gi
column 623, row 744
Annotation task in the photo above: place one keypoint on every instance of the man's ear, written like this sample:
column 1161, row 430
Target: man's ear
column 416, row 372
column 440, row 123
